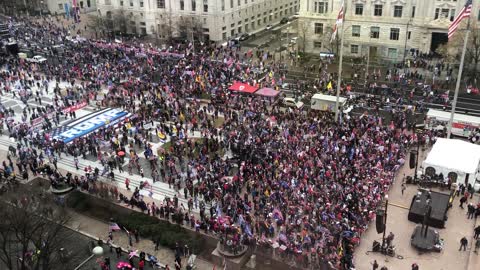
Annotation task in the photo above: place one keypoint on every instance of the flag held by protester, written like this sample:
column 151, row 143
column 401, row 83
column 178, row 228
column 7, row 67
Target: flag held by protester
column 114, row 227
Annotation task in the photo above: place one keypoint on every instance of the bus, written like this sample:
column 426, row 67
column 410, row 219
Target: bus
column 463, row 125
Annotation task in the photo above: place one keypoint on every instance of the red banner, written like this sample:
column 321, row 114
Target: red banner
column 75, row 107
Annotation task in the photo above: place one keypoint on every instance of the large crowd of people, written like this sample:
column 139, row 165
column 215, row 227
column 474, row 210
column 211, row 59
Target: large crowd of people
column 304, row 181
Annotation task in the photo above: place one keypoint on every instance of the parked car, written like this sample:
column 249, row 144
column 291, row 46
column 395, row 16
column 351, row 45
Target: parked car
column 244, row 37
column 269, row 26
column 291, row 102
column 37, row 59
column 284, row 20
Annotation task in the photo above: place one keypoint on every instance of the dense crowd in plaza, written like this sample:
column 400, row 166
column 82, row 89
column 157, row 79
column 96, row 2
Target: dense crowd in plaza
column 304, row 181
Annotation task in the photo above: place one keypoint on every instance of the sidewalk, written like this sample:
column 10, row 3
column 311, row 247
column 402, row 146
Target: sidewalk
column 97, row 229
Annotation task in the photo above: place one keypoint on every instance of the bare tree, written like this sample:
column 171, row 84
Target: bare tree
column 303, row 33
column 32, row 234
column 190, row 28
column 98, row 24
column 332, row 46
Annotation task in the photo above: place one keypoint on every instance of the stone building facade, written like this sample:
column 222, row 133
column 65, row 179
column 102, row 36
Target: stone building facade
column 380, row 28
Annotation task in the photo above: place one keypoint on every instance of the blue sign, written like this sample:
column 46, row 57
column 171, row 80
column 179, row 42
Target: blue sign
column 90, row 124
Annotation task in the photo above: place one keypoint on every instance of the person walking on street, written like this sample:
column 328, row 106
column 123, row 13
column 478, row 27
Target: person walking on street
column 415, row 266
column 137, row 236
column 403, row 188
column 463, row 243
column 374, row 265
column 477, row 245
column 477, row 232
column 462, row 201
column 75, row 160
column 127, row 183
column 470, row 211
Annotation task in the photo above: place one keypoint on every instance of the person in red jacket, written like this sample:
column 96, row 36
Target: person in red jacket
column 127, row 183
column 141, row 265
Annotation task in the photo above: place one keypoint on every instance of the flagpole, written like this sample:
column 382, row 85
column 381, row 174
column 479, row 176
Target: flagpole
column 339, row 82
column 459, row 78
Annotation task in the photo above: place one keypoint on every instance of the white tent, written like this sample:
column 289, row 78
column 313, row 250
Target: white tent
column 460, row 157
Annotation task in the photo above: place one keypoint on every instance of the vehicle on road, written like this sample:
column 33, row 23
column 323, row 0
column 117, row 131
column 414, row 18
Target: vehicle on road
column 244, row 37
column 321, row 102
column 291, row 102
column 37, row 59
column 269, row 26
column 463, row 125
column 284, row 20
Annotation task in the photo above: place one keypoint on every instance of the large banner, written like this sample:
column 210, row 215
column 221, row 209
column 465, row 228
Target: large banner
column 87, row 124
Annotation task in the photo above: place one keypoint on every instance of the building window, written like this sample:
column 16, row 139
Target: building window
column 121, row 3
column 437, row 12
column 359, row 9
column 318, row 28
column 452, row 14
column 182, row 5
column 239, row 2
column 392, row 53
column 409, row 35
column 317, row 44
column 320, row 7
column 354, row 49
column 413, row 12
column 394, row 33
column 444, row 13
column 231, row 3
column 141, row 4
column 355, row 30
column 374, row 32
column 397, row 11
column 205, row 5
column 160, row 3
column 131, row 3
column 224, row 35
column 223, row 7
column 108, row 2
column 60, row 6
column 378, row 10
column 194, row 5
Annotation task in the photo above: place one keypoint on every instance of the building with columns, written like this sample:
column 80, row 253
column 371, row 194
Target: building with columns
column 218, row 20
column 381, row 28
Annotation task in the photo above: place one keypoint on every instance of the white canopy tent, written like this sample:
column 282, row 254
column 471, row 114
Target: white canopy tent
column 457, row 156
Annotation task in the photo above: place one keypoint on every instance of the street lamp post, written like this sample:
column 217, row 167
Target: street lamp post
column 385, row 221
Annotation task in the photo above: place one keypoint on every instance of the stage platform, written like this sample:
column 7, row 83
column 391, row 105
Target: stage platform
column 439, row 202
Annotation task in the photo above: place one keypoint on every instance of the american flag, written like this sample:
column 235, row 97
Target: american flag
column 464, row 13
column 114, row 227
column 339, row 21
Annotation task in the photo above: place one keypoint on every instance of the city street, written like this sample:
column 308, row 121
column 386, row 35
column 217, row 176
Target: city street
column 239, row 149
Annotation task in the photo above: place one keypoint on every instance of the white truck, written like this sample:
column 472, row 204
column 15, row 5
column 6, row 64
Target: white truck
column 321, row 102
column 37, row 59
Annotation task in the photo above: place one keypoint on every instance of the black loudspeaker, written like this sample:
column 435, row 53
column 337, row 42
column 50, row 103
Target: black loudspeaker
column 380, row 220
column 413, row 156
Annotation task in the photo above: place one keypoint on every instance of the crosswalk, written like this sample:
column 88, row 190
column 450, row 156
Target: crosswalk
column 159, row 190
